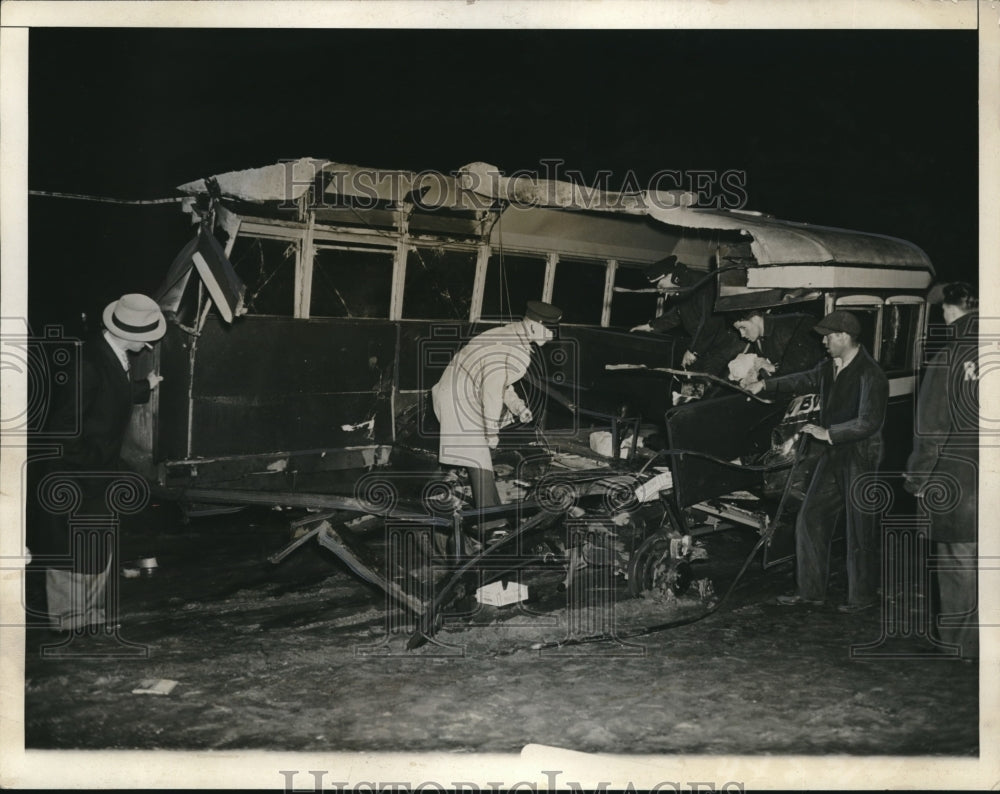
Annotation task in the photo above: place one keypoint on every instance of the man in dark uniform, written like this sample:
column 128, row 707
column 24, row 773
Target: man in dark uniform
column 854, row 394
column 712, row 343
column 786, row 340
column 945, row 464
column 101, row 409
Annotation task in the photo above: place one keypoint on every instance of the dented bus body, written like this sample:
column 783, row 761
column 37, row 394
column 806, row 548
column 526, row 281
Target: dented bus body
column 319, row 302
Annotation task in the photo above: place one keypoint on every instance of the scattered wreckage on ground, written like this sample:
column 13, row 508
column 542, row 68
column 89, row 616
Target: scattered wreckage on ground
column 329, row 298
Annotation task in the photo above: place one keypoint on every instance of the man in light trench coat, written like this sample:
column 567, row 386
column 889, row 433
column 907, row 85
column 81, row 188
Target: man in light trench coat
column 475, row 396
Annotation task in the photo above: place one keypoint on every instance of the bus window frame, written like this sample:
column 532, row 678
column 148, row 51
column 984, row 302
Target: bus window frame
column 467, row 248
column 610, row 266
column 325, row 245
column 259, row 231
column 916, row 344
column 862, row 301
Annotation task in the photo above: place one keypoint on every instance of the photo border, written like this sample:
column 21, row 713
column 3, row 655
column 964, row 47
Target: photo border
column 151, row 769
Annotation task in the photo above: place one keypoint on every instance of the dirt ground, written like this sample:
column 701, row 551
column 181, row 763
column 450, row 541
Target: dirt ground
column 299, row 657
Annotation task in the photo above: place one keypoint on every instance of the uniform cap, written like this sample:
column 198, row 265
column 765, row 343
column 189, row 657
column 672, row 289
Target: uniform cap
column 543, row 312
column 664, row 267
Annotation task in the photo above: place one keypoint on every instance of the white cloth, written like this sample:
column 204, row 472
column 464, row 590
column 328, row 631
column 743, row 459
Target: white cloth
column 745, row 368
column 76, row 600
column 474, row 390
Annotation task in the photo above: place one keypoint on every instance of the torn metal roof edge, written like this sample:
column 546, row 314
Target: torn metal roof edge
column 479, row 186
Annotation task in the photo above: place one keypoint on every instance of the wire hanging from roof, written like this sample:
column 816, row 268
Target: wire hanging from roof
column 104, row 199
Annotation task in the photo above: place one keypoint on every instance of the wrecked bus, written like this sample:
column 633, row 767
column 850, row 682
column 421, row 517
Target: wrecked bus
column 319, row 302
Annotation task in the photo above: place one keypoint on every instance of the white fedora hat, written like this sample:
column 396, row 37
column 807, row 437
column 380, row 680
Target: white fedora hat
column 135, row 317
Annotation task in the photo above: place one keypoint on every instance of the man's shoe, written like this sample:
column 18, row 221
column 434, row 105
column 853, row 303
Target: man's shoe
column 796, row 600
column 850, row 609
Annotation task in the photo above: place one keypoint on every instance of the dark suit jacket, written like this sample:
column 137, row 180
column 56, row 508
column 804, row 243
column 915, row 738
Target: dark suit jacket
column 101, row 406
column 852, row 407
column 693, row 313
column 103, row 403
column 790, row 343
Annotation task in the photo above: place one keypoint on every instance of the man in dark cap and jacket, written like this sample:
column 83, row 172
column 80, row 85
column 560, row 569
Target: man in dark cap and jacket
column 943, row 470
column 713, row 344
column 854, row 394
column 786, row 340
column 93, row 425
column 476, row 393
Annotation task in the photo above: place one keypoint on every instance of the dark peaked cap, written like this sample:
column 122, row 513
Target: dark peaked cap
column 543, row 312
column 664, row 267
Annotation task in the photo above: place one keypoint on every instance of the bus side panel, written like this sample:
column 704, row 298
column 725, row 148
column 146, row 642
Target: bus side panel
column 897, row 433
column 425, row 348
column 281, row 384
column 172, row 411
column 637, row 393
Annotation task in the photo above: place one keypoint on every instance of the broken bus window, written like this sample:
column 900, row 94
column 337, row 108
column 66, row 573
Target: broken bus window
column 438, row 284
column 351, row 283
column 267, row 267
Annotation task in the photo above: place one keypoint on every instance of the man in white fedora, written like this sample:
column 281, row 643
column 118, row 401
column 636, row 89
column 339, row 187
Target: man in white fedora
column 100, row 412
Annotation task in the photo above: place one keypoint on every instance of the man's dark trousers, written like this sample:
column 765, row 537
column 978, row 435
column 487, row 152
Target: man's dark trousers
column 827, row 502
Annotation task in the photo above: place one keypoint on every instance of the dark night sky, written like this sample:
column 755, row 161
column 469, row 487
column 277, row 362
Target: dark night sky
column 870, row 130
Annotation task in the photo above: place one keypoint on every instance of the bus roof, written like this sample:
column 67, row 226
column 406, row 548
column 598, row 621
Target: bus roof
column 565, row 217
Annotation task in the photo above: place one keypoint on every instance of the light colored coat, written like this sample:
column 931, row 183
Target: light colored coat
column 474, row 390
